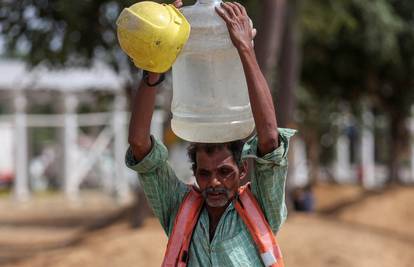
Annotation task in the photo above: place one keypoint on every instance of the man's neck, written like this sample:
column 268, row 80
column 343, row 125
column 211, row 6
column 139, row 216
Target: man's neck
column 214, row 215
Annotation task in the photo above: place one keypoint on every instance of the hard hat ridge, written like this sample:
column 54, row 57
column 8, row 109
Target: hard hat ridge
column 152, row 34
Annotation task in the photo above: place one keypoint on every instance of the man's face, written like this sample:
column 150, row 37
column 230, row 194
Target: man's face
column 218, row 176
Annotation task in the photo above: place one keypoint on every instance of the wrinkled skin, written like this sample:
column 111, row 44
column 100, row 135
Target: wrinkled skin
column 218, row 178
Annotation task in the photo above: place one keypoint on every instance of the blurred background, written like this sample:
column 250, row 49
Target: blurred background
column 341, row 72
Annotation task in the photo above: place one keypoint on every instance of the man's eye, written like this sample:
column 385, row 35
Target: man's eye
column 203, row 174
column 226, row 171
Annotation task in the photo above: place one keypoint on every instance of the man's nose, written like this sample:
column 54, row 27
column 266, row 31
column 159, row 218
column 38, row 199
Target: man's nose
column 214, row 181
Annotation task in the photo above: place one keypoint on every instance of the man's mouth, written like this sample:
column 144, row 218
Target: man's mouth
column 216, row 195
column 215, row 192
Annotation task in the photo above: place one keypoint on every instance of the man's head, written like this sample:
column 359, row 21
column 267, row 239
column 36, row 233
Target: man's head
column 218, row 170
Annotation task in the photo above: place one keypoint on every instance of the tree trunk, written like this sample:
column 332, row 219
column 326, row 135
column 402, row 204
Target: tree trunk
column 269, row 36
column 398, row 133
column 312, row 143
column 289, row 67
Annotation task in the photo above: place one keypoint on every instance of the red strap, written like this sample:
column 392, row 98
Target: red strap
column 185, row 221
column 252, row 215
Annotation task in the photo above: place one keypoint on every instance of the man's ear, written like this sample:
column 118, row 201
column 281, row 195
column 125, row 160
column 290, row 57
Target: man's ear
column 243, row 169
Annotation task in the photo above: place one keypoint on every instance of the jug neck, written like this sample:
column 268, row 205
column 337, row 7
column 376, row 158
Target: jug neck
column 206, row 2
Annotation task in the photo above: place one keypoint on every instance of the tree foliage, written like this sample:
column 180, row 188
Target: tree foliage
column 351, row 49
column 361, row 50
column 61, row 31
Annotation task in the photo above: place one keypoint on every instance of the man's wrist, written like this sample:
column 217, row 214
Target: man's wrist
column 246, row 50
column 152, row 79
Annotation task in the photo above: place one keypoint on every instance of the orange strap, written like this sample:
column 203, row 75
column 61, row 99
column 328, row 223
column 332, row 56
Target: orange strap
column 249, row 210
column 252, row 215
column 185, row 221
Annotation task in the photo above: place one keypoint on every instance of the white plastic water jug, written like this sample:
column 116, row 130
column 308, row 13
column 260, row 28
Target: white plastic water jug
column 210, row 98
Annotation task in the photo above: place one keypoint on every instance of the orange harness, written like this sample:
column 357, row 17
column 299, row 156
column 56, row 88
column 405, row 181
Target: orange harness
column 247, row 207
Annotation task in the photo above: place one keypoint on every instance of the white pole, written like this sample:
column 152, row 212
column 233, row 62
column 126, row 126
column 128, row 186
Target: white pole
column 70, row 145
column 342, row 159
column 120, row 145
column 342, row 165
column 21, row 187
column 299, row 173
column 367, row 151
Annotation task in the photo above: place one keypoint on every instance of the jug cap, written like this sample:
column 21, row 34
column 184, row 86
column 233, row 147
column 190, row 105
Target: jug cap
column 209, row 1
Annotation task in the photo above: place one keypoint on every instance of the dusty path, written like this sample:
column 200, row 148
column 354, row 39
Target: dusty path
column 375, row 231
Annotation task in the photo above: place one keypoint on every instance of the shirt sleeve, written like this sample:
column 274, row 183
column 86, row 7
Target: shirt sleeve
column 268, row 178
column 161, row 186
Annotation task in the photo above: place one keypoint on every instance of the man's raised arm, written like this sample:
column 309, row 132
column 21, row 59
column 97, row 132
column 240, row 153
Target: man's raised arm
column 142, row 110
column 242, row 34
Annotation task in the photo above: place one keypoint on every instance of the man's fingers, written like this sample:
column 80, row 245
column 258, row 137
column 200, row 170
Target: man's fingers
column 229, row 9
column 178, row 3
column 241, row 8
column 236, row 10
column 222, row 13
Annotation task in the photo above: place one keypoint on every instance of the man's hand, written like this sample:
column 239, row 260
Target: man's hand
column 242, row 34
column 238, row 23
column 178, row 3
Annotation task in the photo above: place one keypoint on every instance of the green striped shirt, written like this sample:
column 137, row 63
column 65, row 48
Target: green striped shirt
column 232, row 244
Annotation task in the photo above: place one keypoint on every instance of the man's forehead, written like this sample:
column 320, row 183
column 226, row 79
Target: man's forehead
column 217, row 157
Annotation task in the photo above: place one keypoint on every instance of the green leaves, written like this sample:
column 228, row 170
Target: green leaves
column 323, row 19
column 345, row 41
column 61, row 32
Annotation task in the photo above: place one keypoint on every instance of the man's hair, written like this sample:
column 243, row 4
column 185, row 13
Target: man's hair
column 235, row 147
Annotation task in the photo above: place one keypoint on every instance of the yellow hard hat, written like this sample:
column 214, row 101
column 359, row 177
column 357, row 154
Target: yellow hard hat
column 152, row 34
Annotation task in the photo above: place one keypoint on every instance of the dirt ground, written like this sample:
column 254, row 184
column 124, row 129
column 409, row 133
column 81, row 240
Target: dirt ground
column 350, row 228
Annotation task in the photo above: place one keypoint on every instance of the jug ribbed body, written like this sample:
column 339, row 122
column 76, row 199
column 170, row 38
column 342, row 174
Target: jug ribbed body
column 210, row 98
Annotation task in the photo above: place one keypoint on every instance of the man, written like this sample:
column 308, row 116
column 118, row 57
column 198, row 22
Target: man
column 220, row 236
